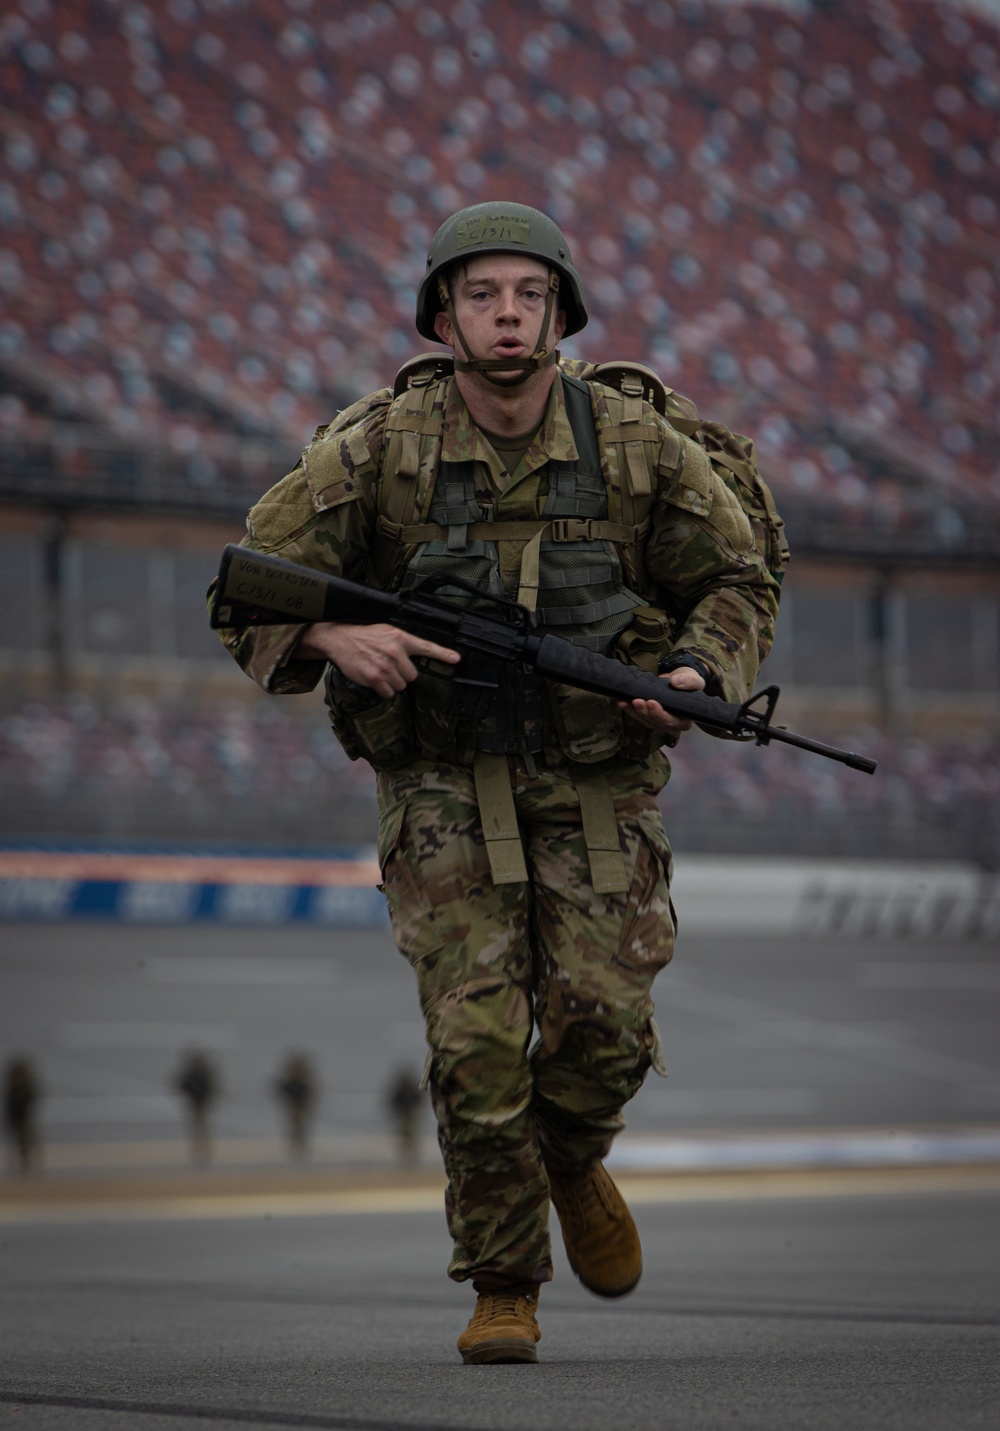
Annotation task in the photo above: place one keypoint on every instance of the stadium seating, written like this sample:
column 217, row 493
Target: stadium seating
column 214, row 770
column 214, row 215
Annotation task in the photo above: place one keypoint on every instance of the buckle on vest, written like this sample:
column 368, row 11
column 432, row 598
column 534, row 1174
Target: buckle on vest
column 573, row 529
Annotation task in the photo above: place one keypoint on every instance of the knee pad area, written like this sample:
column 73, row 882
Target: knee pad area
column 479, row 1035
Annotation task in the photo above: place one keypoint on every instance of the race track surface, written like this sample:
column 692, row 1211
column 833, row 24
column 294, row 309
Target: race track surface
column 869, row 1313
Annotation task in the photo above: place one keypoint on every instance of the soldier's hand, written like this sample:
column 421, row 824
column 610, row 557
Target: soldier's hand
column 652, row 714
column 379, row 657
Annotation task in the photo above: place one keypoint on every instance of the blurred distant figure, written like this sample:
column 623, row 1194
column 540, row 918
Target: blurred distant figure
column 21, row 1094
column 198, row 1084
column 403, row 1099
column 297, row 1090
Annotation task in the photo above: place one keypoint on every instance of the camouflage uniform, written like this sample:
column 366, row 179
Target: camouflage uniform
column 492, row 960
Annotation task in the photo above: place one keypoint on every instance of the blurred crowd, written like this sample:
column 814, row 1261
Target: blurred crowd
column 915, row 776
column 71, row 749
column 790, row 212
column 76, row 745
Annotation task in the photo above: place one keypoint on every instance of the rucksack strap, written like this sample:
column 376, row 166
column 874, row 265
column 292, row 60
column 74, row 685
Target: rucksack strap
column 576, row 396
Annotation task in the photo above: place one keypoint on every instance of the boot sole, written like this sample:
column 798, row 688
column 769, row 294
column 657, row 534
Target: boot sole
column 610, row 1292
column 502, row 1349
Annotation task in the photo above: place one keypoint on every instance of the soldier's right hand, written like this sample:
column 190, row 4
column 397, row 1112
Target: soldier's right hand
column 379, row 657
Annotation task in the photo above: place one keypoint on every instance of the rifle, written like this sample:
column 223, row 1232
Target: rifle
column 258, row 590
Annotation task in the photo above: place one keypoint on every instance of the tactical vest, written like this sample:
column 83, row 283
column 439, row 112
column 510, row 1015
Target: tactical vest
column 579, row 569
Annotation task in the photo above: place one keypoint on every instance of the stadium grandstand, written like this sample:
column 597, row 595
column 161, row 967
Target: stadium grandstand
column 213, row 218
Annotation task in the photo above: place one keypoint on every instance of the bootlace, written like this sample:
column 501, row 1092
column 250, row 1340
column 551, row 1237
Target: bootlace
column 498, row 1304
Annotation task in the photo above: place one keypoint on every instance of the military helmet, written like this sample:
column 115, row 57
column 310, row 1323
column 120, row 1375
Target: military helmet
column 499, row 227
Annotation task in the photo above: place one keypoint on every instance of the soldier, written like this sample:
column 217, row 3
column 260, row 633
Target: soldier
column 22, row 1091
column 403, row 1099
column 295, row 1087
column 197, row 1082
column 522, row 850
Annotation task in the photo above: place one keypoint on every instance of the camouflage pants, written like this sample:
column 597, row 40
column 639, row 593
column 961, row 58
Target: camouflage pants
column 492, row 961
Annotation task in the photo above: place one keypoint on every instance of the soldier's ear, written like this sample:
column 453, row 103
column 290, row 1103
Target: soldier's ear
column 444, row 328
column 560, row 323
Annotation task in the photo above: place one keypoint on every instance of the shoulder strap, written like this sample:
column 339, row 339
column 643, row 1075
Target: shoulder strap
column 581, row 420
column 413, row 429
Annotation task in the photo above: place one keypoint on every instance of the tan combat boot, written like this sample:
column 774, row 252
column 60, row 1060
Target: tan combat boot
column 602, row 1242
column 503, row 1326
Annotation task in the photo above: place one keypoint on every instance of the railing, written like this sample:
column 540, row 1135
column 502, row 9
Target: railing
column 99, row 810
column 78, row 466
column 929, row 529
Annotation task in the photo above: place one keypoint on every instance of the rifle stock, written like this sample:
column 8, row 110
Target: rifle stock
column 255, row 590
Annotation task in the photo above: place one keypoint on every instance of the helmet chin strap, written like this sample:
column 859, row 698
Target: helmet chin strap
column 523, row 368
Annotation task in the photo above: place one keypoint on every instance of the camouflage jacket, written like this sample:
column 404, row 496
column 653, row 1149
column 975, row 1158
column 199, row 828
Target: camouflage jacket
column 700, row 564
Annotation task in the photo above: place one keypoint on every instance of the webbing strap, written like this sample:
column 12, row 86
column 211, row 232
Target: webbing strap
column 409, row 454
column 629, row 434
column 574, row 576
column 600, row 832
column 733, row 464
column 560, row 529
column 612, row 605
column 499, row 818
column 576, row 396
column 411, row 418
column 400, row 493
column 639, row 481
column 409, row 421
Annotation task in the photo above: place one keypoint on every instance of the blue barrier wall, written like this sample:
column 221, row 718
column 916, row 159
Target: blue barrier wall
column 151, row 885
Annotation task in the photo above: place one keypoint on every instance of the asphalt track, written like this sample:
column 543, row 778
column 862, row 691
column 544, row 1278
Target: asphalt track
column 770, row 1311
column 137, row 1292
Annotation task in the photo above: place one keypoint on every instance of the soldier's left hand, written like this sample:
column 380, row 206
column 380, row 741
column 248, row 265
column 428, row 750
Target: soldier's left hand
column 652, row 714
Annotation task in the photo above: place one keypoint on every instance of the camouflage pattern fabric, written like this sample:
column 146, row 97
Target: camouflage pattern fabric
column 493, row 961
column 701, row 555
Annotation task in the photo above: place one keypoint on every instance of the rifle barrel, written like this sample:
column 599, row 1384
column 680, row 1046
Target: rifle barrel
column 846, row 757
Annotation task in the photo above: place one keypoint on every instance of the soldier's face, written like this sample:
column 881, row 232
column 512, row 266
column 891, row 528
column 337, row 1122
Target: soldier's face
column 499, row 301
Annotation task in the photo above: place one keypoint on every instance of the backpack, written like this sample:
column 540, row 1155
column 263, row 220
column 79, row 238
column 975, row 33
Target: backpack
column 731, row 454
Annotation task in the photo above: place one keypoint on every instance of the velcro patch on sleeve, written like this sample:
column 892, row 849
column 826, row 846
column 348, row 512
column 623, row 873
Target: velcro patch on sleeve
column 281, row 513
column 694, row 486
column 335, row 468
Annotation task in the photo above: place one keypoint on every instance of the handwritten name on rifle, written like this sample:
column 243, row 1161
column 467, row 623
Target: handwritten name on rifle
column 287, row 591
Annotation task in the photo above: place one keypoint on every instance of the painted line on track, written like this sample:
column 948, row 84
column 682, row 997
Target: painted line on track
column 647, row 1191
